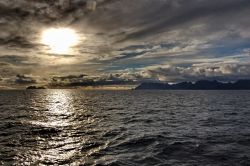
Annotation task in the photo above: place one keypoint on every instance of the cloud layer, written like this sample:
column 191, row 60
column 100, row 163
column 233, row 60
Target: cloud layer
column 126, row 41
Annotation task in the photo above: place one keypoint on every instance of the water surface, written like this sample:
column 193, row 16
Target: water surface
column 74, row 127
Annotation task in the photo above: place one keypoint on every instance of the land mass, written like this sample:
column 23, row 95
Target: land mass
column 35, row 87
column 199, row 85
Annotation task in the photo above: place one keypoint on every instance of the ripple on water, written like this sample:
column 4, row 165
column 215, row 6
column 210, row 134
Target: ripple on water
column 73, row 127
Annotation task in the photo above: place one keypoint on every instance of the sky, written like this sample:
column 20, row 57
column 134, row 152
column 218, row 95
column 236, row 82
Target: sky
column 124, row 42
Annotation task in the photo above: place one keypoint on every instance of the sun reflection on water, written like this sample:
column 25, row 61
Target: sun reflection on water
column 60, row 108
column 61, row 128
column 57, row 109
column 55, row 128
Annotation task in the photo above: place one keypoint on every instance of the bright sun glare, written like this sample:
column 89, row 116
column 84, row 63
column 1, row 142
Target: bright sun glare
column 59, row 40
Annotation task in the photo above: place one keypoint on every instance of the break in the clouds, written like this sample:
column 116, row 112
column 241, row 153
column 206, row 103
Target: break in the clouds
column 124, row 41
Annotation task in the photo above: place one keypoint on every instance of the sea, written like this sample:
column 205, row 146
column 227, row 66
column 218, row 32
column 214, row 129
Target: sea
column 125, row 128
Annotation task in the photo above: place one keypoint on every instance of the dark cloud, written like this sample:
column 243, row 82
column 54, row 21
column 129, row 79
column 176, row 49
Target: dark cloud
column 10, row 12
column 69, row 80
column 17, row 41
column 15, row 60
column 22, row 79
column 187, row 12
column 85, row 80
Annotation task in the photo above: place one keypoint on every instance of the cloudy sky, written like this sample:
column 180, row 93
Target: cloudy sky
column 125, row 41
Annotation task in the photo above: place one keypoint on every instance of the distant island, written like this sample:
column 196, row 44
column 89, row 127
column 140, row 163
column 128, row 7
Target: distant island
column 199, row 85
column 35, row 87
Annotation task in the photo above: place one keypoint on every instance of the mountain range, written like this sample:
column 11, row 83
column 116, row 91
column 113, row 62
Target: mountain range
column 199, row 85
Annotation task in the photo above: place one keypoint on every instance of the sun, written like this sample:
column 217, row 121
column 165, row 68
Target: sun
column 59, row 40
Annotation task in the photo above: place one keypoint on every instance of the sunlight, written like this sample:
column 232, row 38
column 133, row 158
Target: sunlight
column 58, row 106
column 59, row 40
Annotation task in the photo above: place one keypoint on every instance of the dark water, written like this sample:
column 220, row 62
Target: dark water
column 69, row 127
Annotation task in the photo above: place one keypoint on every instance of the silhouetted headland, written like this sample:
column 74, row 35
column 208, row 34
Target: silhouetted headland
column 199, row 85
column 35, row 87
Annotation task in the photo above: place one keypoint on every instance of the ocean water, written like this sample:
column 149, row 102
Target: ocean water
column 175, row 128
